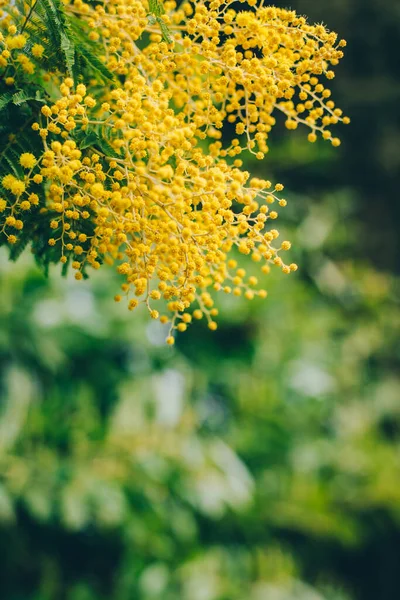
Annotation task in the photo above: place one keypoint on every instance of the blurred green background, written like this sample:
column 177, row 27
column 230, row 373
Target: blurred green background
column 259, row 462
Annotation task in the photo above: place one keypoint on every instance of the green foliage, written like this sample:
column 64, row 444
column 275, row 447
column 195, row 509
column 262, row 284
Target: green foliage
column 67, row 51
column 157, row 10
column 67, row 47
column 95, row 137
column 48, row 22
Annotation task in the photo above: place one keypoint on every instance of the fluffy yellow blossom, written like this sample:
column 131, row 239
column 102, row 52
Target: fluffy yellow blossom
column 17, row 187
column 27, row 160
column 16, row 42
column 8, row 181
column 37, row 50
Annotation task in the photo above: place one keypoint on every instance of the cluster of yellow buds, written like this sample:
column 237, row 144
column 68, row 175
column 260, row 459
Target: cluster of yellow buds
column 12, row 54
column 162, row 194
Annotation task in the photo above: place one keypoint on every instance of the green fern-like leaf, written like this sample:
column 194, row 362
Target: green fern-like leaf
column 97, row 68
column 156, row 8
column 5, row 99
column 164, row 30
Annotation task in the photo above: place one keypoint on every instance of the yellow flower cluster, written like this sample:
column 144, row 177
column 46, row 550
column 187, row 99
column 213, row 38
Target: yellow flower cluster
column 15, row 51
column 227, row 65
column 12, row 55
column 164, row 196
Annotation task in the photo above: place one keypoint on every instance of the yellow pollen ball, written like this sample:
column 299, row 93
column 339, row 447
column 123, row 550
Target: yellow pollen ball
column 37, row 50
column 27, row 160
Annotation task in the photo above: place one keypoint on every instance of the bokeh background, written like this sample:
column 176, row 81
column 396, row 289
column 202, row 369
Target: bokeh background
column 259, row 462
